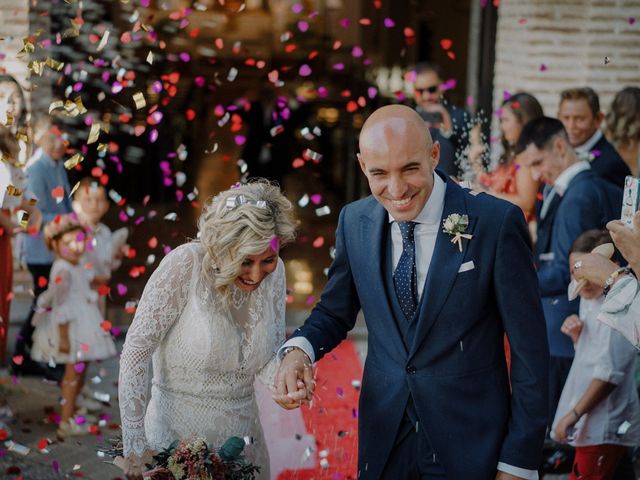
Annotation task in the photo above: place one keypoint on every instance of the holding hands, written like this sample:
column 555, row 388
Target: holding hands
column 294, row 382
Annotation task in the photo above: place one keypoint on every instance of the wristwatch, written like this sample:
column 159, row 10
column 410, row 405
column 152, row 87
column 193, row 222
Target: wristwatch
column 288, row 350
column 612, row 278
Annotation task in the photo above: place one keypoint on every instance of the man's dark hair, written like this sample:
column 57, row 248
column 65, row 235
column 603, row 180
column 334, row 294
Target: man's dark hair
column 587, row 94
column 540, row 132
column 589, row 240
column 424, row 67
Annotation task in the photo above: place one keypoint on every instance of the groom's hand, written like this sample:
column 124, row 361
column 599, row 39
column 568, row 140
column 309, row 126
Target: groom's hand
column 294, row 381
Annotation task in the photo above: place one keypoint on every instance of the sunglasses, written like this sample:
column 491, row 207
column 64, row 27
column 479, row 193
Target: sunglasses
column 432, row 89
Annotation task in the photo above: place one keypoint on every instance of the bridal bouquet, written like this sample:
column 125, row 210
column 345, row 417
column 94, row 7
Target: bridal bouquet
column 193, row 459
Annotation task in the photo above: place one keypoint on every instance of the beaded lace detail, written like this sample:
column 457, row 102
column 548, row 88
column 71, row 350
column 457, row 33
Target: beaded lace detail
column 205, row 358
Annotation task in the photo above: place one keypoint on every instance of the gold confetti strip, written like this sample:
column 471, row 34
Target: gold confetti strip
column 73, row 190
column 54, row 64
column 150, row 58
column 27, row 48
column 73, row 161
column 138, row 97
column 103, row 40
column 23, row 218
column 9, row 119
column 74, row 31
column 36, row 67
column 94, row 133
column 55, row 105
column 13, row 191
column 80, row 105
column 102, row 147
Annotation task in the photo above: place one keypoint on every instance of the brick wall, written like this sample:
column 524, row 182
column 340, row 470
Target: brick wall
column 545, row 46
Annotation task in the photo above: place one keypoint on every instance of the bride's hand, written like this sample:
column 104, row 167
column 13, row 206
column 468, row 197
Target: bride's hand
column 134, row 466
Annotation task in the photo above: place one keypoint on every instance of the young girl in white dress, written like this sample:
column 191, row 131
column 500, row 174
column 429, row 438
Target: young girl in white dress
column 68, row 325
column 210, row 320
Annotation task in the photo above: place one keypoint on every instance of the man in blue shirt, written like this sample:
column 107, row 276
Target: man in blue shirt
column 586, row 201
column 47, row 179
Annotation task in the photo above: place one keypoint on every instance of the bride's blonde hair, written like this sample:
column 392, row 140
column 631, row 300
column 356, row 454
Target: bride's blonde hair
column 240, row 222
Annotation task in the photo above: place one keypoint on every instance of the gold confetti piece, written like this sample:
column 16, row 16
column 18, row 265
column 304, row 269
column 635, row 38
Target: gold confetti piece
column 103, row 40
column 55, row 105
column 102, row 147
column 13, row 191
column 36, row 67
column 73, row 190
column 27, row 48
column 54, row 64
column 138, row 97
column 74, row 31
column 9, row 119
column 80, row 105
column 150, row 58
column 73, row 161
column 94, row 133
column 23, row 218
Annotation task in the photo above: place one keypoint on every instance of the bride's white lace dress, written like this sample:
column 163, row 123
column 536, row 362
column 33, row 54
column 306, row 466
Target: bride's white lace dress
column 205, row 358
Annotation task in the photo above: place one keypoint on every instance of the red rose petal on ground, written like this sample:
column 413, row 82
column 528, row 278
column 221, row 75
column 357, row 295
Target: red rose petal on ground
column 42, row 443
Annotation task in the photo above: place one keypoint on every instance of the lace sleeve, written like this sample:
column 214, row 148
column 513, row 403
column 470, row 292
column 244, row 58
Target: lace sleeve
column 267, row 374
column 162, row 302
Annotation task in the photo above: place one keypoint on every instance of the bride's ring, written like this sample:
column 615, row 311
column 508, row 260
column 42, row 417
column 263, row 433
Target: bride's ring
column 577, row 265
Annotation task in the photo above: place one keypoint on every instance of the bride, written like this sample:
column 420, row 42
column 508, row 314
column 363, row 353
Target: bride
column 209, row 320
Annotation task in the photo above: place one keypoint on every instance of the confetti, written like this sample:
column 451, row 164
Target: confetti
column 139, row 100
column 149, row 58
column 73, row 161
column 94, row 133
column 304, row 70
column 103, row 40
column 322, row 211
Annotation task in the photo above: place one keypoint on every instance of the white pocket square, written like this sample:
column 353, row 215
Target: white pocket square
column 466, row 266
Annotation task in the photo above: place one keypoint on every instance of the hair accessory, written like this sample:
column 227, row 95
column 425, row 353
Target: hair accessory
column 238, row 200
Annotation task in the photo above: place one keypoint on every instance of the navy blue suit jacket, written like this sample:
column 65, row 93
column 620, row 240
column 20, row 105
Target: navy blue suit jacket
column 608, row 163
column 588, row 203
column 455, row 370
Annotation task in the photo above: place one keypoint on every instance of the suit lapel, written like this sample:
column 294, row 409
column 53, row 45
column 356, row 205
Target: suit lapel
column 374, row 234
column 444, row 266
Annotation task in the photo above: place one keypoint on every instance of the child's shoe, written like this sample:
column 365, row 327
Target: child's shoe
column 70, row 428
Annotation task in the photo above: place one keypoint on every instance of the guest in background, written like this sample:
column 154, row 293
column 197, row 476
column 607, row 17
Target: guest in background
column 447, row 124
column 510, row 180
column 47, row 179
column 13, row 114
column 586, row 202
column 599, row 403
column 623, row 127
column 579, row 112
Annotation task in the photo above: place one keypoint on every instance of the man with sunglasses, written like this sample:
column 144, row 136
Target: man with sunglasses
column 445, row 121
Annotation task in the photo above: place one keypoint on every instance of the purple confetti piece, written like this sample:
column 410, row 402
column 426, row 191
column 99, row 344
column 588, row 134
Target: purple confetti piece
column 323, row 92
column 185, row 57
column 123, row 216
column 357, row 51
column 116, row 87
column 543, row 67
column 145, row 3
column 304, row 70
column 632, row 20
column 77, row 86
column 310, row 300
column 56, row 466
column 506, row 95
column 156, row 87
column 115, row 331
column 372, row 92
column 296, row 8
column 80, row 420
column 338, row 66
column 340, row 392
column 316, row 198
column 200, row 81
column 344, row 22
column 389, row 23
column 153, row 135
column 449, row 85
column 240, row 140
column 303, row 26
column 79, row 367
column 470, row 101
column 596, row 153
column 122, row 289
column 275, row 244
column 179, row 195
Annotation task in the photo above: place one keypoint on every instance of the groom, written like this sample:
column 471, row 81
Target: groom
column 436, row 400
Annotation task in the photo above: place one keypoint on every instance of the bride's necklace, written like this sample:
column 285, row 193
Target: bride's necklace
column 238, row 297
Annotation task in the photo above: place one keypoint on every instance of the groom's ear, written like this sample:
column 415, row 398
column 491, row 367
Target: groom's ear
column 361, row 162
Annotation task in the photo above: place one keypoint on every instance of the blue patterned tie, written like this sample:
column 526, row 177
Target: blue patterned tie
column 405, row 277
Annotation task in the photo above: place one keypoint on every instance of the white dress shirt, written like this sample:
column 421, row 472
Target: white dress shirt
column 587, row 146
column 562, row 183
column 425, row 235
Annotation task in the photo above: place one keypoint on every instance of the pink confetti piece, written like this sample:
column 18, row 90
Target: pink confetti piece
column 185, row 57
column 304, row 70
column 372, row 92
column 145, row 3
column 297, row 8
column 80, row 420
column 200, row 81
column 156, row 86
column 323, row 92
column 153, row 135
column 340, row 392
column 357, row 52
column 338, row 66
column 303, row 26
column 240, row 139
column 316, row 198
column 56, row 466
column 449, row 85
column 310, row 300
column 632, row 20
column 543, row 67
column 344, row 22
column 79, row 367
column 275, row 244
column 122, row 289
column 116, row 87
column 506, row 95
column 389, row 23
column 470, row 101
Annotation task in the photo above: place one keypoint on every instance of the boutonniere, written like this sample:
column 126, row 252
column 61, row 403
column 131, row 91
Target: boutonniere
column 456, row 224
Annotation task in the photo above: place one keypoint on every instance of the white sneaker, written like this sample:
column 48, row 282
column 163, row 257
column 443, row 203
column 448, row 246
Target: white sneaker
column 71, row 429
column 89, row 403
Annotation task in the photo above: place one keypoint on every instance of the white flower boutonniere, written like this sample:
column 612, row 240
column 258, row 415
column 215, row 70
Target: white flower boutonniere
column 456, row 224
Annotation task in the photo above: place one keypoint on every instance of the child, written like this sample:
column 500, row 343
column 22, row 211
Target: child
column 106, row 249
column 598, row 411
column 70, row 330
